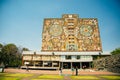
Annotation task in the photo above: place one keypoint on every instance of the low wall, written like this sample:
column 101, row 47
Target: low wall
column 110, row 63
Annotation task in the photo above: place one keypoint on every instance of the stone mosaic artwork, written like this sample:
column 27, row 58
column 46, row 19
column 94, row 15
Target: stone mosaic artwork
column 71, row 33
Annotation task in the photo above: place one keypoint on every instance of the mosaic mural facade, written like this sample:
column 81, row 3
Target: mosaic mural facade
column 71, row 33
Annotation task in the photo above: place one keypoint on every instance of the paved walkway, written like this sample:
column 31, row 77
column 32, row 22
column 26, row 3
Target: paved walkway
column 57, row 72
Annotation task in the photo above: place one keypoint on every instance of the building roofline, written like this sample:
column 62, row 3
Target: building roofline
column 64, row 53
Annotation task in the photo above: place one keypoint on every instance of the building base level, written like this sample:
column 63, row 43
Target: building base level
column 39, row 68
column 63, row 65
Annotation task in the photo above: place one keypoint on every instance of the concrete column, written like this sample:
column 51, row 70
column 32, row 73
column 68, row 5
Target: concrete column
column 52, row 63
column 80, row 65
column 71, row 65
column 59, row 64
column 43, row 63
column 34, row 63
column 89, row 64
column 62, row 65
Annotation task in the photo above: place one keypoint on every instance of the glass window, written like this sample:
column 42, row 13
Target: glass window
column 78, row 57
column 67, row 57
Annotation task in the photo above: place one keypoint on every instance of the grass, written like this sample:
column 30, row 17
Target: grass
column 43, row 79
column 47, row 77
column 2, row 74
column 9, row 78
column 111, row 77
column 13, row 76
column 18, row 75
column 84, row 77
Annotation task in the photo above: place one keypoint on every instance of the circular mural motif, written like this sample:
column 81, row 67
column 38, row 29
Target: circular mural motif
column 55, row 30
column 86, row 30
column 87, row 41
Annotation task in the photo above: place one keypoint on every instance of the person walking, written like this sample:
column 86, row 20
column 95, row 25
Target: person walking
column 72, row 70
column 76, row 71
column 60, row 71
column 27, row 68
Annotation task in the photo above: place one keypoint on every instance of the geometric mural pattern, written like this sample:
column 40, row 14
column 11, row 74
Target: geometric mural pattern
column 71, row 33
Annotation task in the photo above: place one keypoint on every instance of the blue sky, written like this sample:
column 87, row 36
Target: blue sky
column 21, row 21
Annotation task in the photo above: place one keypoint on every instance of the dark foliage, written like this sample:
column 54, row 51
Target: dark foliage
column 116, row 51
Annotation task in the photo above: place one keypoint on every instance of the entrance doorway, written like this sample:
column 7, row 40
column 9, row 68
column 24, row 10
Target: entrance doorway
column 76, row 64
column 85, row 65
column 66, row 65
column 79, row 65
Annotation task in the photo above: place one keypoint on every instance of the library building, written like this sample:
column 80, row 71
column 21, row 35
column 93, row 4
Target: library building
column 67, row 42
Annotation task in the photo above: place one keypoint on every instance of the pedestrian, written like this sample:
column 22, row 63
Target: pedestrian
column 60, row 71
column 72, row 70
column 27, row 68
column 76, row 71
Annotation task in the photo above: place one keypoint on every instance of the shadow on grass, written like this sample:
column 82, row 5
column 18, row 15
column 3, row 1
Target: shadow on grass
column 9, row 78
column 13, row 76
column 84, row 77
column 49, row 77
column 111, row 77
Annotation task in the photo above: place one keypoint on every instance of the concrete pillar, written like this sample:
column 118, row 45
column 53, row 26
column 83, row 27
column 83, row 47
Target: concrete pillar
column 89, row 64
column 71, row 65
column 34, row 63
column 43, row 63
column 80, row 65
column 62, row 65
column 52, row 63
column 59, row 65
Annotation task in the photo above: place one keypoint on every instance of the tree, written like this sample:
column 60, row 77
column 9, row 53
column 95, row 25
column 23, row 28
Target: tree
column 116, row 51
column 11, row 55
column 25, row 49
column 1, row 46
column 9, row 52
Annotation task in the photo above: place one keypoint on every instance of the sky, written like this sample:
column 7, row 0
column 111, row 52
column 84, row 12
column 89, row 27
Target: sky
column 21, row 21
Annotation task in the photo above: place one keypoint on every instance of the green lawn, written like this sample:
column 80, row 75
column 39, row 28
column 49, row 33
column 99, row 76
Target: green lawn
column 13, row 76
column 49, row 77
column 111, row 77
column 20, row 76
column 9, row 78
column 84, row 77
column 43, row 79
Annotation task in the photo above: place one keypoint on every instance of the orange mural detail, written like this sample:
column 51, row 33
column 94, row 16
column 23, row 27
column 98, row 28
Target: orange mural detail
column 71, row 33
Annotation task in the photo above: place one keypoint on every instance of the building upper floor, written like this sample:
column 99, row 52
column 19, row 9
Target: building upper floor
column 60, row 56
